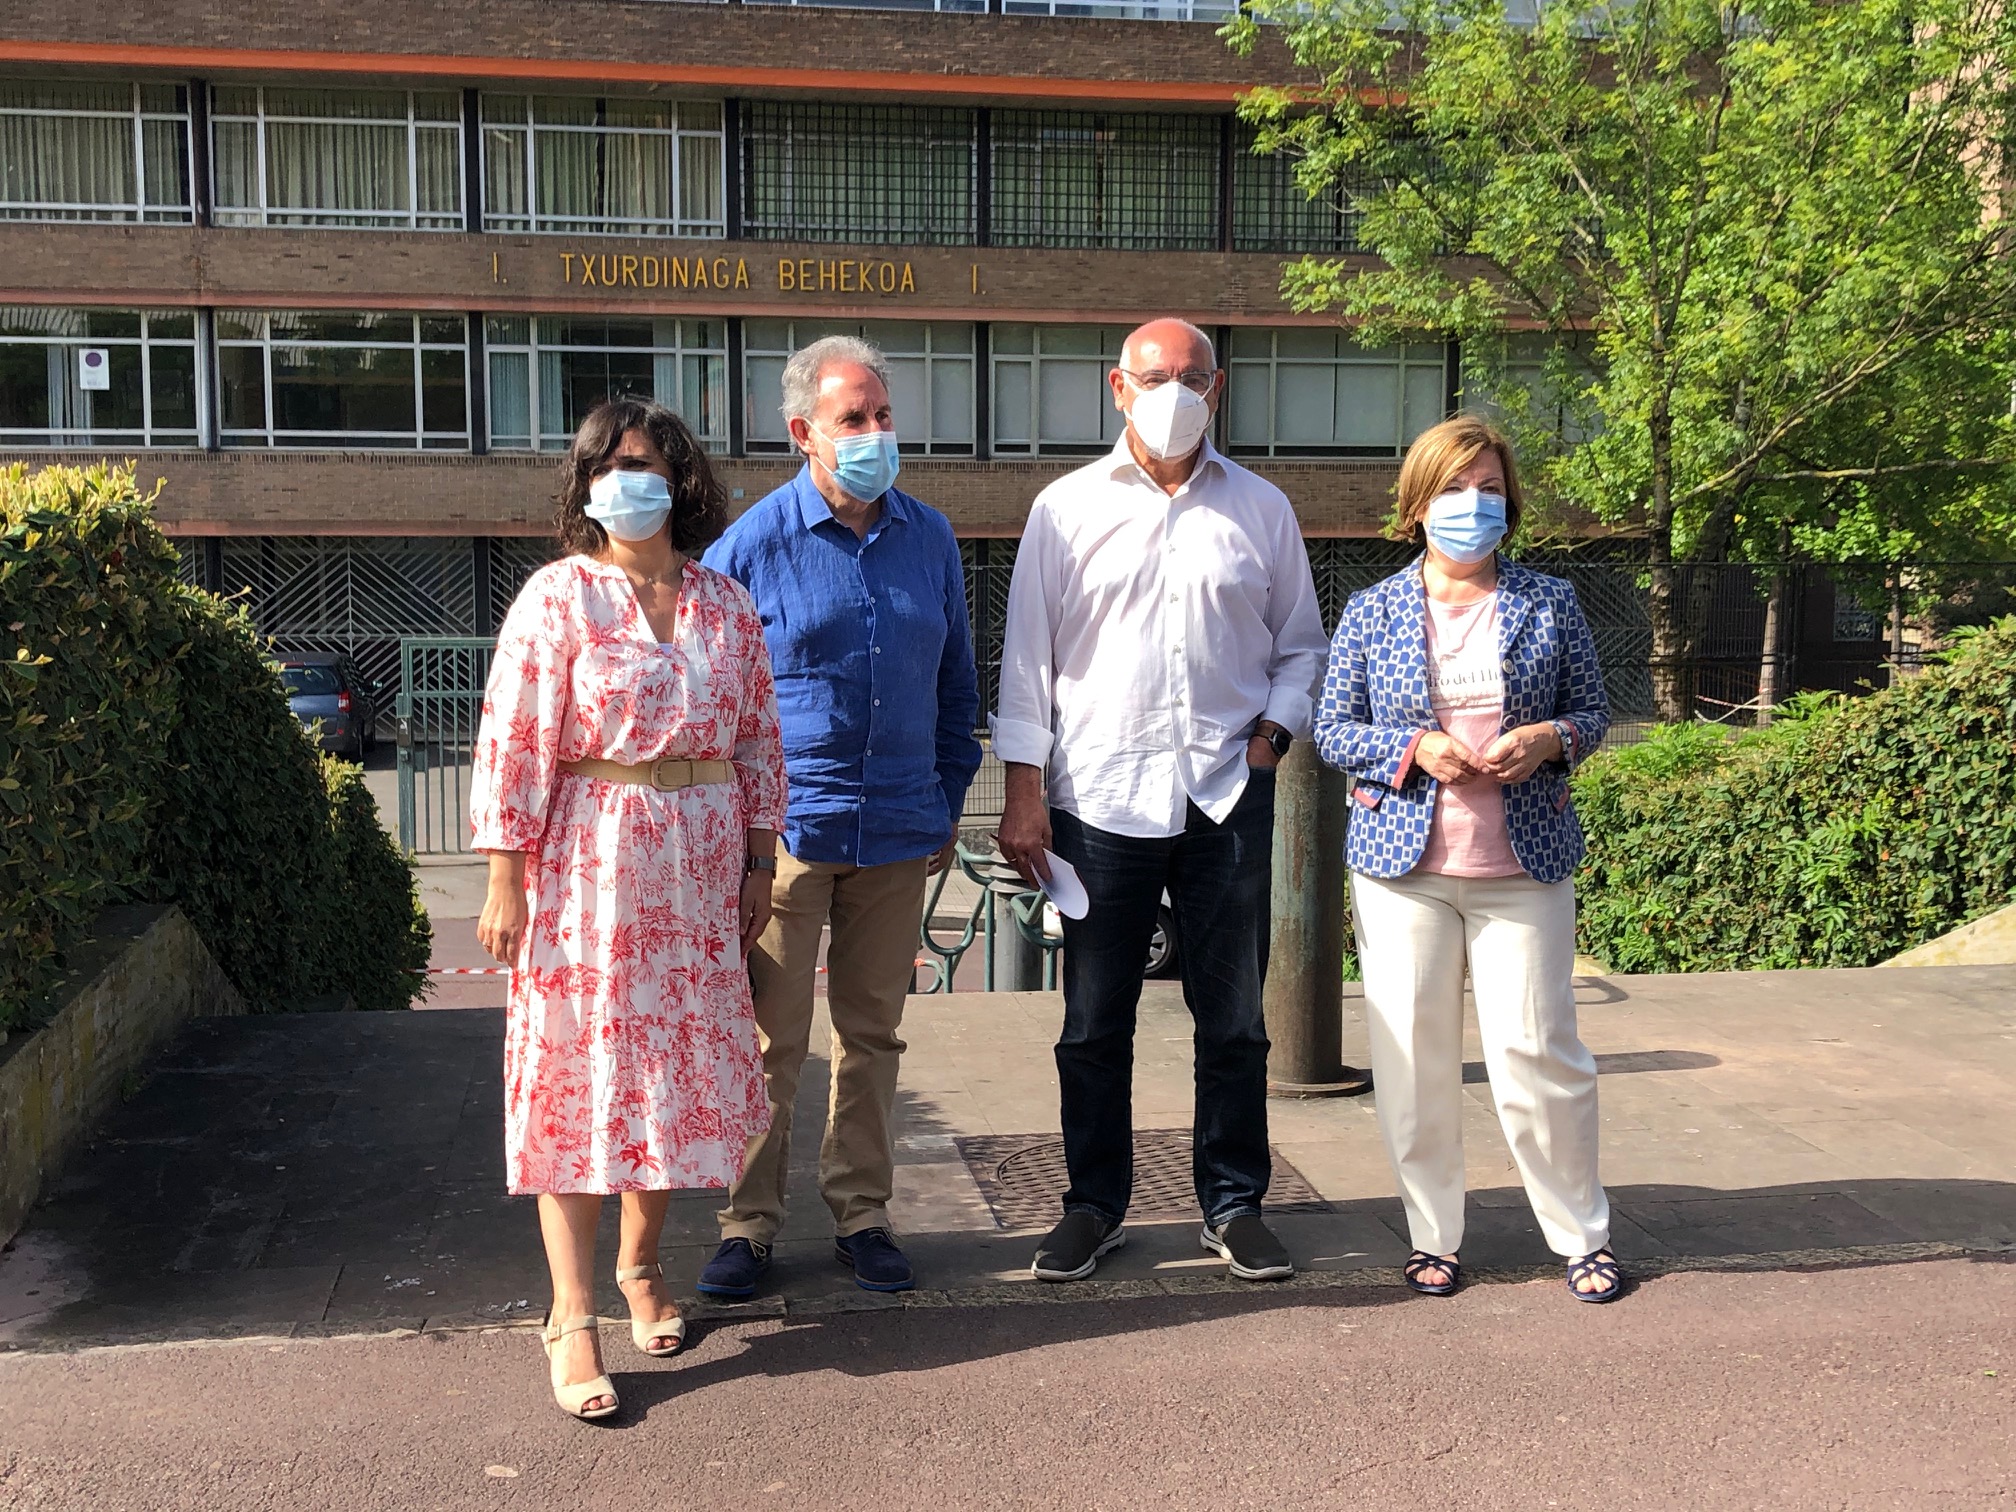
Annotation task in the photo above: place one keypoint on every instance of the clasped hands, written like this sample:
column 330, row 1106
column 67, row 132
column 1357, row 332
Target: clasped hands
column 1512, row 757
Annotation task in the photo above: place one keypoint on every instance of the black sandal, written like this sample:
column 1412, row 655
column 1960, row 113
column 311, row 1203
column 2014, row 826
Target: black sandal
column 1600, row 1265
column 1420, row 1261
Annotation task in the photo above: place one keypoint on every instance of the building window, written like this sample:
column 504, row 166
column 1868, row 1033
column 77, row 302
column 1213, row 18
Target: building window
column 607, row 167
column 878, row 173
column 1533, row 382
column 548, row 371
column 1313, row 391
column 1050, row 389
column 337, row 157
column 96, row 152
column 930, row 379
column 1270, row 213
column 97, row 377
column 343, row 379
column 1126, row 10
column 1134, row 182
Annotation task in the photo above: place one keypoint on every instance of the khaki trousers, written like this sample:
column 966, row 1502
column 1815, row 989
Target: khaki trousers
column 1414, row 934
column 875, row 913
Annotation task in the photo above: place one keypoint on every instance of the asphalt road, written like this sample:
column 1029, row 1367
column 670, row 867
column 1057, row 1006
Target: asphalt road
column 1888, row 1387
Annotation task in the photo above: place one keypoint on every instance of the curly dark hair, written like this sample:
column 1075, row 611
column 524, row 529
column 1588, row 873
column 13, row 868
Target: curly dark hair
column 699, row 505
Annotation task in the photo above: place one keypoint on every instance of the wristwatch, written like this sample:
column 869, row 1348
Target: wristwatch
column 1278, row 738
column 759, row 863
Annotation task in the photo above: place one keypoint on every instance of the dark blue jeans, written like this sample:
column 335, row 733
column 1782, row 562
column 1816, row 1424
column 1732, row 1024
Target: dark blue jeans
column 1219, row 877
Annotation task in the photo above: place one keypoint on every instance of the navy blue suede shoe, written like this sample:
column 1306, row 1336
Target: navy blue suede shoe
column 735, row 1269
column 878, row 1265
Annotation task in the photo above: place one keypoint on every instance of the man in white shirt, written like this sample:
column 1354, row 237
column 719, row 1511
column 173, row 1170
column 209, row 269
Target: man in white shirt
column 1163, row 649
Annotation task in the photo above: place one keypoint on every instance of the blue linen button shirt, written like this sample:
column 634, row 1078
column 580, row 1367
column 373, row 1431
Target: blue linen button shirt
column 873, row 659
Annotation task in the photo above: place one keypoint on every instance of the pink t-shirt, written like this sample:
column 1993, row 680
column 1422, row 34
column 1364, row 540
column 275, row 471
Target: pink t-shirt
column 1466, row 687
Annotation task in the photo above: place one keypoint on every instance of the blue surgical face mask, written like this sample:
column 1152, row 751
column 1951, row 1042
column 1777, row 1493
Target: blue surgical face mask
column 1465, row 525
column 864, row 466
column 631, row 505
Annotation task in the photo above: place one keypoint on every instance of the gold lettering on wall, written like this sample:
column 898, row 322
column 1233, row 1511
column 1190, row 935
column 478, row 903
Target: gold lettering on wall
column 801, row 275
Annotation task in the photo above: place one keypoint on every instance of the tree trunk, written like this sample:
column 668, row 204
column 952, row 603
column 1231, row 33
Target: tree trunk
column 1897, row 628
column 1771, row 665
column 1672, row 671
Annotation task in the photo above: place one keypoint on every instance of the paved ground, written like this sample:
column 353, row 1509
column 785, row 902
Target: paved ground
column 1884, row 1388
column 286, row 1276
column 320, row 1173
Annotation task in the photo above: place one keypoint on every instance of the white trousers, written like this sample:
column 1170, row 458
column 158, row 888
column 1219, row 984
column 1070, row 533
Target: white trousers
column 1414, row 934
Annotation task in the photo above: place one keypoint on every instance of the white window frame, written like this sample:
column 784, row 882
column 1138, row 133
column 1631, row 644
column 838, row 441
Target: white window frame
column 309, row 217
column 141, row 209
column 418, row 439
column 918, row 434
column 530, row 349
column 98, row 436
column 587, row 225
column 1412, row 358
column 1035, row 360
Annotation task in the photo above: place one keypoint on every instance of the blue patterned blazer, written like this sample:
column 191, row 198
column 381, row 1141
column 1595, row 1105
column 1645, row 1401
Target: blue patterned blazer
column 1374, row 709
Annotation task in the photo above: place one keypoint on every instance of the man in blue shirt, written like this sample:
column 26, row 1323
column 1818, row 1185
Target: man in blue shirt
column 864, row 606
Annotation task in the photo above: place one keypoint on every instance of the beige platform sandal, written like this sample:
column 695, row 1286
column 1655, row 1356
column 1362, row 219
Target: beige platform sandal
column 644, row 1335
column 573, row 1400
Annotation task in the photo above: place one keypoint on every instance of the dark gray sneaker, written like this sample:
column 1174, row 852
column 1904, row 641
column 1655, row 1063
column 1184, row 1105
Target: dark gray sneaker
column 1071, row 1251
column 1250, row 1245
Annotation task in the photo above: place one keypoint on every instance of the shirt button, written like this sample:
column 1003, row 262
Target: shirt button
column 878, row 650
column 878, row 703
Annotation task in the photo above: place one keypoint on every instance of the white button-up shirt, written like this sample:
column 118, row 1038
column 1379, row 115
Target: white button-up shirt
column 1146, row 635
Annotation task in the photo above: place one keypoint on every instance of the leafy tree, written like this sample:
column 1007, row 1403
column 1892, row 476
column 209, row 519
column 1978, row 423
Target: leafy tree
column 1760, row 249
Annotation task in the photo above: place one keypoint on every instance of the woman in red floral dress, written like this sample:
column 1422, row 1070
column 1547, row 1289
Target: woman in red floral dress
column 628, row 787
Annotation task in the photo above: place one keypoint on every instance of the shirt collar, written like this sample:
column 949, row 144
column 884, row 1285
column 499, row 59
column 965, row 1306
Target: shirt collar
column 1120, row 460
column 814, row 510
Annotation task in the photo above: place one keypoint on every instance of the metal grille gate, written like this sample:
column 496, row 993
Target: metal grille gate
column 440, row 709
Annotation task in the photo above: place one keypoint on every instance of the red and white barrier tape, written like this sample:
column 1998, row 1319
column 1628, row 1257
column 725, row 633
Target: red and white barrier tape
column 506, row 970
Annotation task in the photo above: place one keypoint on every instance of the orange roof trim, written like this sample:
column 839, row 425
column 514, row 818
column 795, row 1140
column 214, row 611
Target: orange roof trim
column 449, row 65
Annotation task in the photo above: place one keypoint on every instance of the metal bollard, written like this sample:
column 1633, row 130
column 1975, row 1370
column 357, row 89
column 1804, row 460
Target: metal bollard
column 1017, row 960
column 1304, row 998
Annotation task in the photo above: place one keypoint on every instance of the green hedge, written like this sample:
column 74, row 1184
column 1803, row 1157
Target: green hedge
column 147, row 753
column 1847, row 831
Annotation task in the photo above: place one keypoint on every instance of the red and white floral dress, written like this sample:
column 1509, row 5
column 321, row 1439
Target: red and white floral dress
column 630, row 1057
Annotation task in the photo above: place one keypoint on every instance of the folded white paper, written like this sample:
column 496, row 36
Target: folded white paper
column 1064, row 889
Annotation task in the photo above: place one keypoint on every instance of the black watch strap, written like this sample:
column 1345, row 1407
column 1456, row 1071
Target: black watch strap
column 1280, row 739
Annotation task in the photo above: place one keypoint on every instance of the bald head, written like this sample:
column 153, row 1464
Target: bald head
column 1170, row 345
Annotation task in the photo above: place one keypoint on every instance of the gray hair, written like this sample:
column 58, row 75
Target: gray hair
column 809, row 363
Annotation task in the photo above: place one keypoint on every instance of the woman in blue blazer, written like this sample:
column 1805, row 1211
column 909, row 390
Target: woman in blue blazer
column 1460, row 693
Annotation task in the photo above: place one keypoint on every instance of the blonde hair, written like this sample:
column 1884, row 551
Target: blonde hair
column 1438, row 454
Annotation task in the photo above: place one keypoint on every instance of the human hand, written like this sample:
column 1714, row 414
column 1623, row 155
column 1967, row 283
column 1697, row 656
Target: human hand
column 755, row 907
column 1518, row 754
column 1447, row 759
column 1260, row 755
column 942, row 857
column 1024, row 833
column 500, row 929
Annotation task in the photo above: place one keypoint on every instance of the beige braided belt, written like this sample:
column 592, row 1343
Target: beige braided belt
column 668, row 775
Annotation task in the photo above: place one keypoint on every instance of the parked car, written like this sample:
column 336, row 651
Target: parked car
column 332, row 700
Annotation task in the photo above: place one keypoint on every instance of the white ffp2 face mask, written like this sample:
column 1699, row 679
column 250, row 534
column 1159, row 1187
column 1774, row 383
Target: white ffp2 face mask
column 1169, row 420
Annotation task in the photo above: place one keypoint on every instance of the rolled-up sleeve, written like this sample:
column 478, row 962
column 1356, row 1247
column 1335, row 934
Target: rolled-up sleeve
column 1580, row 699
column 1346, row 736
column 958, row 752
column 525, row 707
column 1024, row 715
column 1296, row 666
column 758, row 754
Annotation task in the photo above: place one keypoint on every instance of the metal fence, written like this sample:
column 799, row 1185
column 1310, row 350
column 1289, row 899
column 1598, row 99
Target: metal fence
column 417, row 616
column 440, row 710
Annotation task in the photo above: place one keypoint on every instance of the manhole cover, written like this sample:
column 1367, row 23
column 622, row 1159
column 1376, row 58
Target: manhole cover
column 1023, row 1179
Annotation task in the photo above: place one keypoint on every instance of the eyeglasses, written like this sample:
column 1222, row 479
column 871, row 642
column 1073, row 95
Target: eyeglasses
column 1197, row 380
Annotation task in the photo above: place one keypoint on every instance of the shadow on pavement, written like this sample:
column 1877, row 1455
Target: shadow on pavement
column 342, row 1173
